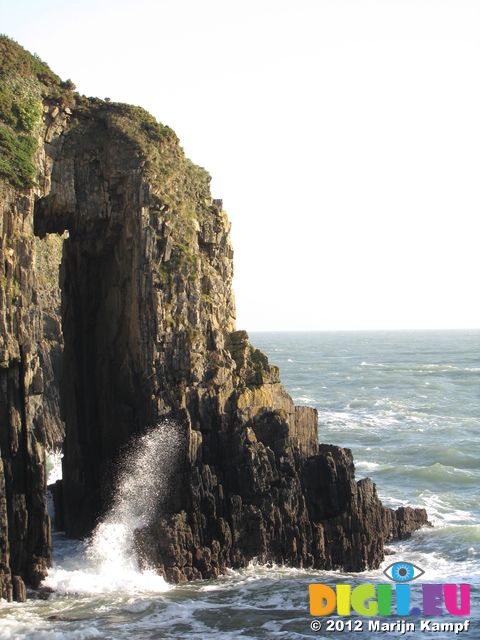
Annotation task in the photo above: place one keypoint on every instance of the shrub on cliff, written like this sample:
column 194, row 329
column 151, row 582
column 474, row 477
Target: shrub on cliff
column 25, row 81
column 16, row 157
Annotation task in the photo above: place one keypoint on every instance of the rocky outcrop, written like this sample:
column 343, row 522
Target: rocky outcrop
column 268, row 491
column 148, row 320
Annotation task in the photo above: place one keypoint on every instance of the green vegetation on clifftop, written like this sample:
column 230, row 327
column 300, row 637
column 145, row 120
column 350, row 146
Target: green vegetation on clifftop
column 25, row 81
column 179, row 196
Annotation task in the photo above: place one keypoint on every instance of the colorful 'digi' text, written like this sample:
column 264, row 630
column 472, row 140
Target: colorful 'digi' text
column 377, row 600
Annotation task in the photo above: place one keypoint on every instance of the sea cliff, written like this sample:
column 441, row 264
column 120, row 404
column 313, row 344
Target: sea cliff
column 147, row 334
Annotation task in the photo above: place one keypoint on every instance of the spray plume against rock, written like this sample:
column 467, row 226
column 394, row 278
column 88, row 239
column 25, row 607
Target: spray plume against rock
column 142, row 484
column 108, row 561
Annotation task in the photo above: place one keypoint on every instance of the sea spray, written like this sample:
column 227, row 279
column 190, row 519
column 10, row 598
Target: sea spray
column 54, row 465
column 54, row 473
column 108, row 559
column 142, row 482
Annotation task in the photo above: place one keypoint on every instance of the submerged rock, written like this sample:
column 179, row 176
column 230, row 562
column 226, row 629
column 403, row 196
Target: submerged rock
column 148, row 321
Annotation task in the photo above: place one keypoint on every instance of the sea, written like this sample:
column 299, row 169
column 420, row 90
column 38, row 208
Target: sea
column 407, row 403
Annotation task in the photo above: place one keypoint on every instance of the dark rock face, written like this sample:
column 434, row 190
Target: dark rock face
column 148, row 319
column 25, row 546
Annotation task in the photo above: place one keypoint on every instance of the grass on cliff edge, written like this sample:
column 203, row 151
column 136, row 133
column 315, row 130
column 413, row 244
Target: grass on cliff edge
column 25, row 81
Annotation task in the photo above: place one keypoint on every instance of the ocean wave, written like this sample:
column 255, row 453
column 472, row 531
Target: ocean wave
column 90, row 580
column 364, row 465
column 305, row 399
column 444, row 473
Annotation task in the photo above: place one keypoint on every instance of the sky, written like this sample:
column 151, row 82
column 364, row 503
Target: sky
column 342, row 135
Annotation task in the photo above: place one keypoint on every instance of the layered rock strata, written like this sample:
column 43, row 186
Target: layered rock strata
column 148, row 319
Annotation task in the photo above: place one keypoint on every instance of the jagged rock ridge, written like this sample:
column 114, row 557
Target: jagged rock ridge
column 148, row 319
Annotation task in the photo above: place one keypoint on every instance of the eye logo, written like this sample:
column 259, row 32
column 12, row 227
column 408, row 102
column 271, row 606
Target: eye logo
column 403, row 572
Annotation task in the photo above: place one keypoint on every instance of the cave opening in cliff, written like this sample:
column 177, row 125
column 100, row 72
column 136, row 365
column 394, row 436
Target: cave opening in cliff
column 48, row 257
column 92, row 295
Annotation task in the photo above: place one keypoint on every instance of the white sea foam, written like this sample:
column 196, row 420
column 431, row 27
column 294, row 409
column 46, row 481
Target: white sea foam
column 364, row 465
column 91, row 580
column 54, row 466
column 108, row 561
column 444, row 510
column 305, row 399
